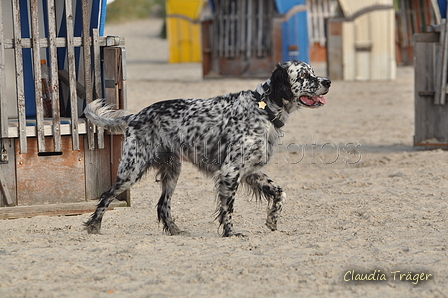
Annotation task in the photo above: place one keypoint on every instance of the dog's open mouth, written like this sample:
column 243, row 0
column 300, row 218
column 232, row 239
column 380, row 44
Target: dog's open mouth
column 312, row 101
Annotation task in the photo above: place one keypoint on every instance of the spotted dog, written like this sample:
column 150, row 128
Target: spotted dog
column 229, row 137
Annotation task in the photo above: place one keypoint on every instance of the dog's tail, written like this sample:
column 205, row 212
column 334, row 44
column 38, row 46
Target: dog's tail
column 103, row 115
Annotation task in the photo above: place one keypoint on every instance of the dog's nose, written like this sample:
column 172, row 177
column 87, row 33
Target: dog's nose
column 326, row 83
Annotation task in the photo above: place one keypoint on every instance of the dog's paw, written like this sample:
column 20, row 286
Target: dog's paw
column 271, row 225
column 180, row 233
column 92, row 229
column 234, row 234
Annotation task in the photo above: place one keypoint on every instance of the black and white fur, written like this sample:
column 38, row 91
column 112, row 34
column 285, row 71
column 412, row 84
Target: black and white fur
column 229, row 138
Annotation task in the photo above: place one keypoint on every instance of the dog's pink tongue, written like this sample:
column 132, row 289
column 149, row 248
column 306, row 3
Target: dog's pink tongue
column 321, row 99
column 312, row 100
column 307, row 100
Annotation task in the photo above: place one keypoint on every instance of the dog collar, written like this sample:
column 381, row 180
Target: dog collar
column 273, row 118
column 260, row 93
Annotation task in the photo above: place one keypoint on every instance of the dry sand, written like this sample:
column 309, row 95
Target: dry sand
column 362, row 198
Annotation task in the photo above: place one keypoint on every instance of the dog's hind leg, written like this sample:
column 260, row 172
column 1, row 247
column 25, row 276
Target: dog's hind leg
column 168, row 176
column 131, row 168
column 262, row 185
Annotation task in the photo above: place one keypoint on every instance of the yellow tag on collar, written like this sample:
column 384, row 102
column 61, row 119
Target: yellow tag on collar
column 261, row 104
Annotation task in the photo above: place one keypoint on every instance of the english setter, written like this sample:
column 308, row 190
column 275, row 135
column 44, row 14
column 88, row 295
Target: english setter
column 229, row 137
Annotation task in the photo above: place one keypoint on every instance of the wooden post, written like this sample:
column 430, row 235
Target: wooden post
column 54, row 77
column 249, row 29
column 72, row 75
column 439, row 99
column 206, row 26
column 87, row 70
column 260, row 32
column 97, row 79
column 431, row 120
column 277, row 54
column 242, row 23
column 37, row 76
column 123, row 80
column 335, row 65
column 19, row 76
column 3, row 109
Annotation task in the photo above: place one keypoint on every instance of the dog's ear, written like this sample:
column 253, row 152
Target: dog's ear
column 280, row 85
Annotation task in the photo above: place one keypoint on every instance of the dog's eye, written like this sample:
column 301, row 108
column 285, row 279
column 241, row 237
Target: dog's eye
column 303, row 74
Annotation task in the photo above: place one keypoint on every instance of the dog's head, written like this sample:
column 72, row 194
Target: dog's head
column 294, row 85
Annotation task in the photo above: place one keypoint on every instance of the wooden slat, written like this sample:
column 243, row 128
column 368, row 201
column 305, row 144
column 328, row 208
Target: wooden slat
column 423, row 80
column 61, row 42
column 221, row 36
column 5, row 191
column 19, row 76
column 96, row 63
column 111, row 77
column 54, row 77
column 249, row 29
column 87, row 69
column 3, row 109
column 72, row 74
column 260, row 30
column 30, row 131
column 123, row 79
column 233, row 41
column 439, row 99
column 227, row 34
column 242, row 26
column 53, row 209
column 97, row 79
column 37, row 76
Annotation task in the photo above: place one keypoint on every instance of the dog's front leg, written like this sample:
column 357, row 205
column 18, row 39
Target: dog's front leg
column 227, row 186
column 262, row 185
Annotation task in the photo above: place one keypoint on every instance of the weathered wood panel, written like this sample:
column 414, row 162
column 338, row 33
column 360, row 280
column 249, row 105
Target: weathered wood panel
column 98, row 171
column 431, row 120
column 53, row 178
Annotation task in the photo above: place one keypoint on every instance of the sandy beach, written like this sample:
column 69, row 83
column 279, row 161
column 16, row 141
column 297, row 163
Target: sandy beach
column 361, row 202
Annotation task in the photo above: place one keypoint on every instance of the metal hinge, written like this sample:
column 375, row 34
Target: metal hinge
column 3, row 154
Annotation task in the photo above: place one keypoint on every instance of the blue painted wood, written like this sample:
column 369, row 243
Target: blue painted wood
column 442, row 7
column 284, row 5
column 295, row 44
